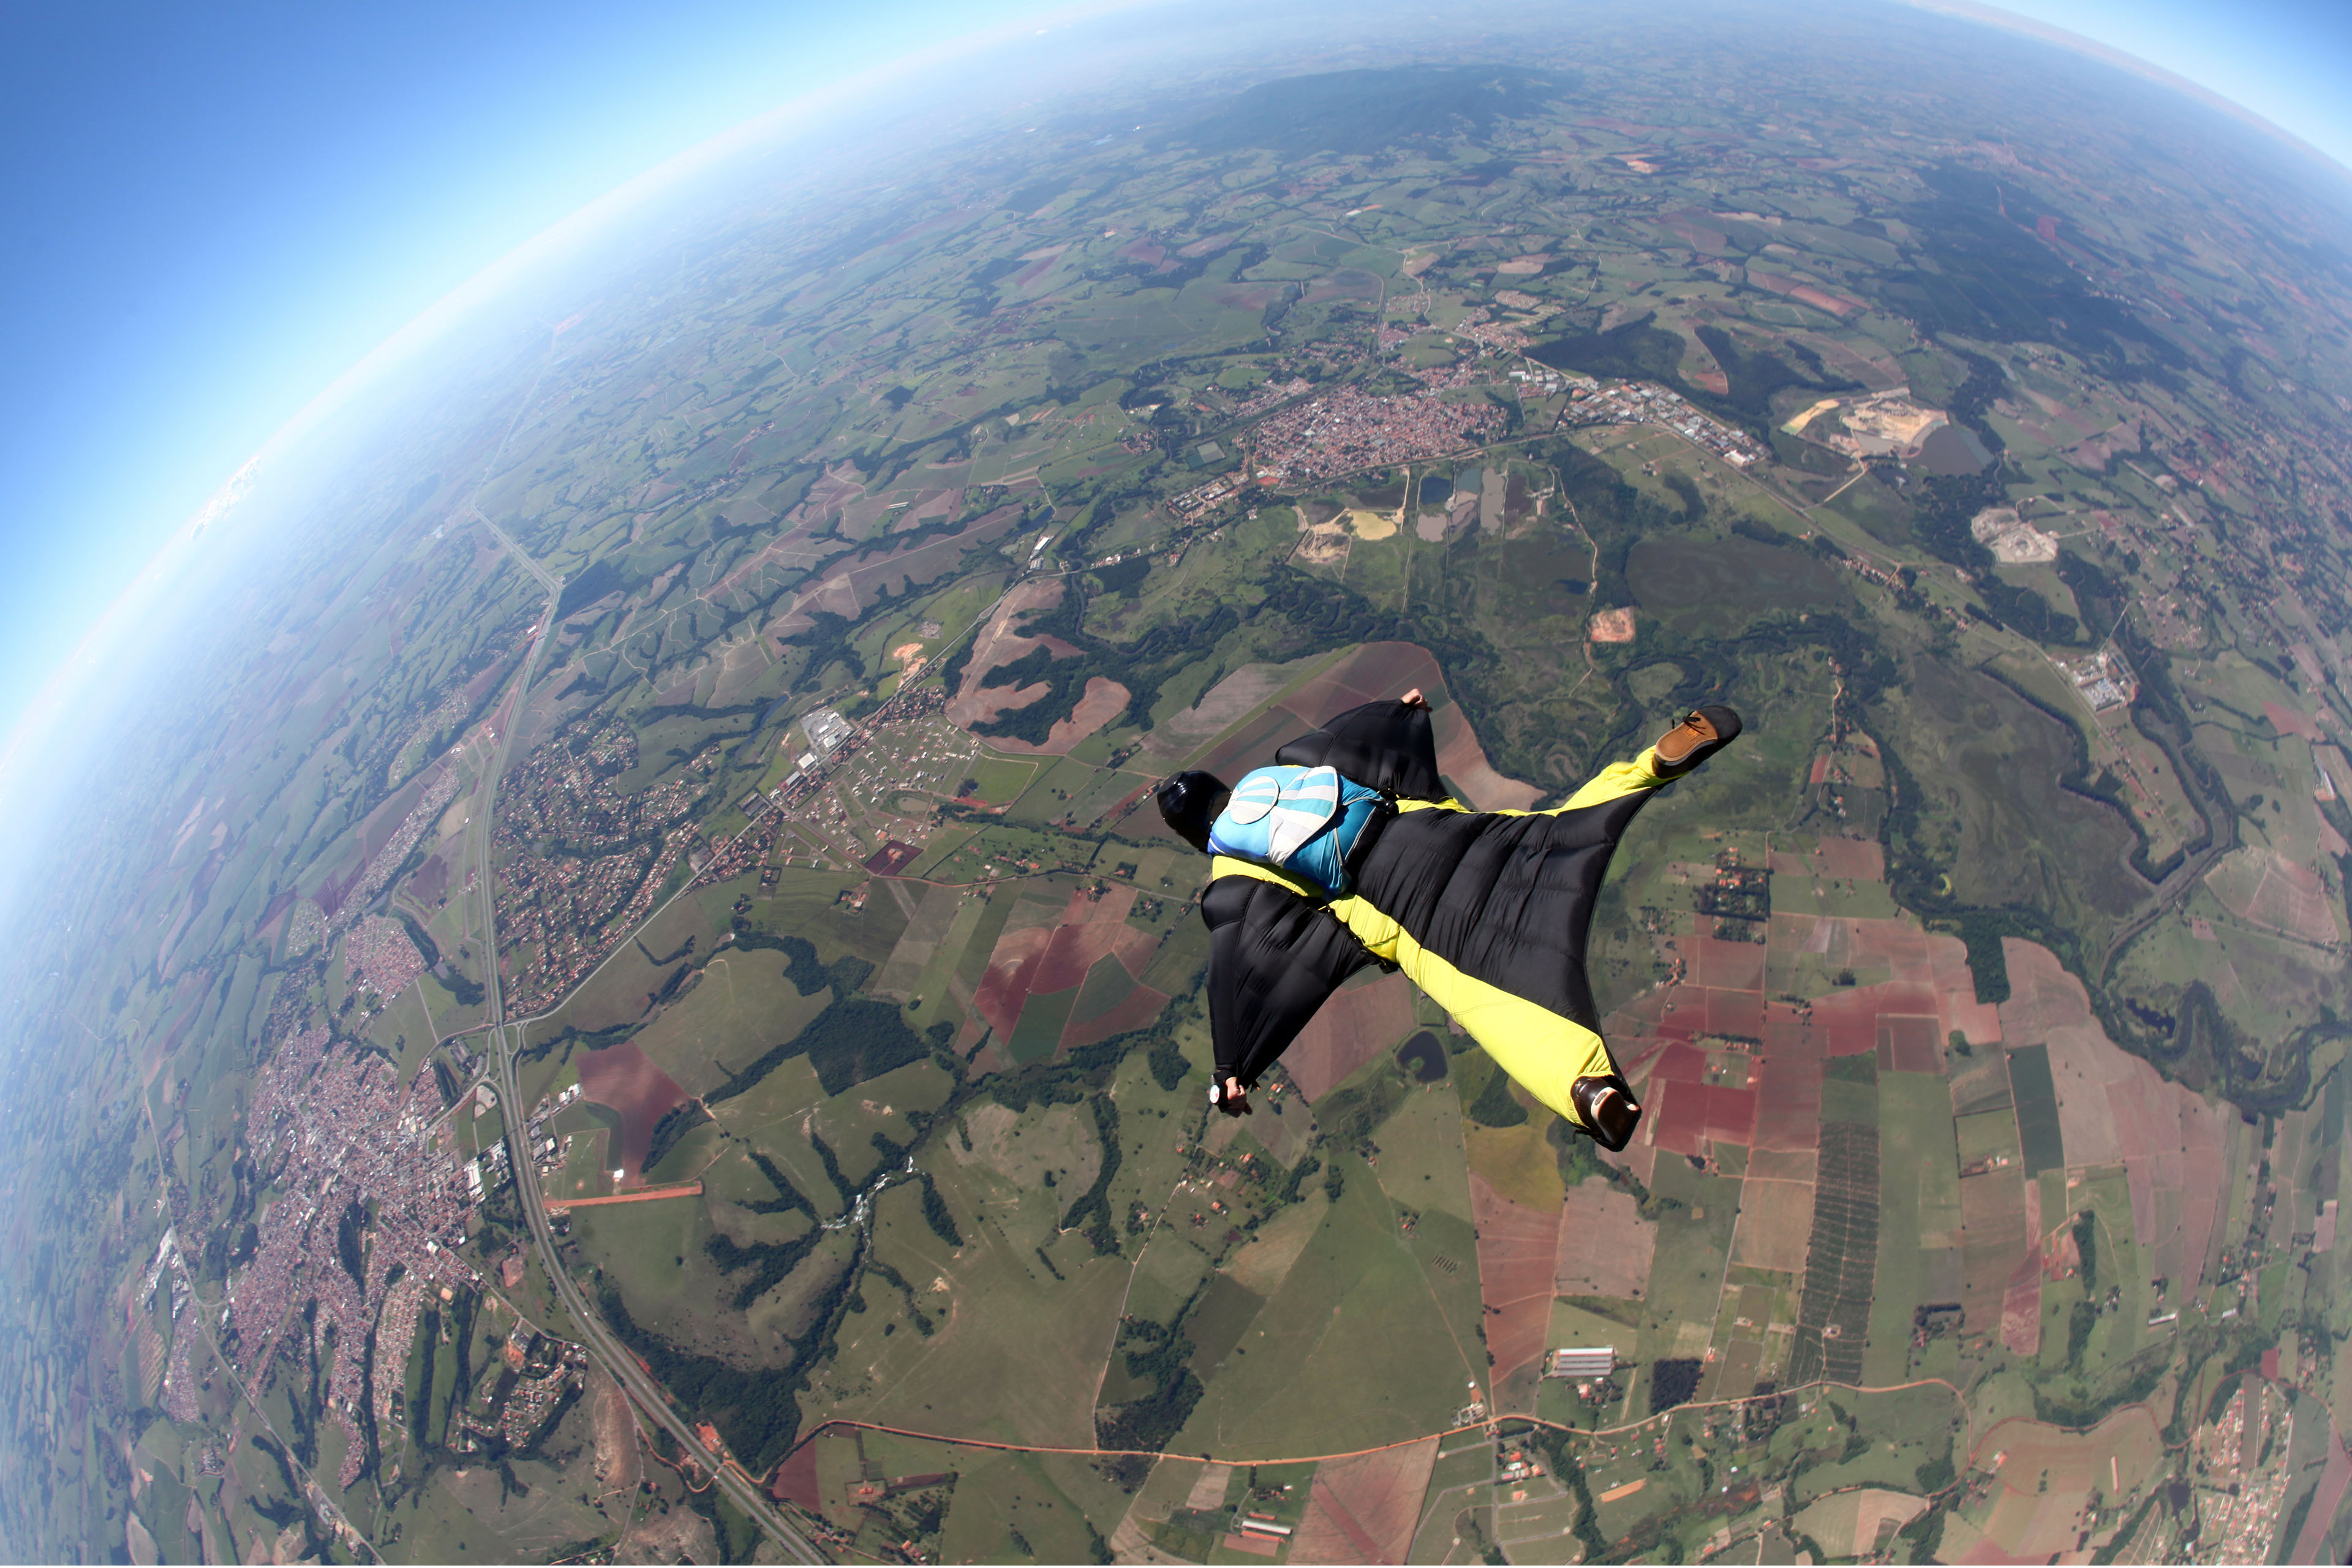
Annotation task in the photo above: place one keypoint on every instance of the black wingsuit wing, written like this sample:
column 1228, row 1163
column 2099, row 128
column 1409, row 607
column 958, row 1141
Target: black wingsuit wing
column 1275, row 957
column 1386, row 745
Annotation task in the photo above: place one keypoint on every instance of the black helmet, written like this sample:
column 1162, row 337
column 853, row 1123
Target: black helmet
column 1189, row 803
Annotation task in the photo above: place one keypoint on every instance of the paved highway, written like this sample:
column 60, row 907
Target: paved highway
column 610, row 1355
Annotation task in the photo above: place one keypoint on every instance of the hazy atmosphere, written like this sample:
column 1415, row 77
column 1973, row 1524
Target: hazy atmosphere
column 597, row 975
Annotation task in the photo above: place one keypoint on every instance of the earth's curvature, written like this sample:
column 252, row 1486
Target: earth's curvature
column 643, row 1008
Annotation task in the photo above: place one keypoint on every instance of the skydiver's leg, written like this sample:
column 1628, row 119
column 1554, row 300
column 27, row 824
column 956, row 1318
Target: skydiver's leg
column 1562, row 1063
column 1678, row 755
column 1578, row 1068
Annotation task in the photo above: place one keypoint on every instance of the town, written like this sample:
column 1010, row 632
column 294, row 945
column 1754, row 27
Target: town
column 334, row 1133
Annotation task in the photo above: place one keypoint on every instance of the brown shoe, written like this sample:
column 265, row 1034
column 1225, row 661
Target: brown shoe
column 1703, row 732
column 1607, row 1109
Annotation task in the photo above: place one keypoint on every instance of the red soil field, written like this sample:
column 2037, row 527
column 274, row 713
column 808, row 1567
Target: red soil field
column 795, row 1479
column 1684, row 1111
column 1725, row 965
column 2038, row 1494
column 331, row 892
column 999, row 642
column 1042, row 960
column 2020, row 1309
column 1796, row 288
column 1836, row 304
column 1031, row 273
column 1789, row 1104
column 1517, row 1248
column 1250, row 746
column 1776, row 1220
column 2113, row 1107
column 1138, row 1008
column 2269, row 890
column 1851, row 860
column 1729, row 1114
column 1391, row 669
column 1686, row 1116
column 1361, row 1023
column 1993, row 1216
column 1903, row 1023
column 1860, row 1007
column 377, row 831
column 482, row 685
column 624, row 1078
column 1674, row 1118
column 1680, row 1062
column 1103, row 701
column 1692, row 1011
column 1696, row 231
column 1364, row 1509
column 892, row 858
column 1907, row 1043
column 281, row 903
column 1246, row 295
column 2288, row 721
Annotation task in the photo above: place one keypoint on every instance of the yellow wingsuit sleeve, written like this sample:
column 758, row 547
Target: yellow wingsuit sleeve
column 1543, row 1052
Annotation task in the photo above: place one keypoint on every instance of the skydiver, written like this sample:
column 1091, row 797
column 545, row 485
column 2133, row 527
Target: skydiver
column 1349, row 853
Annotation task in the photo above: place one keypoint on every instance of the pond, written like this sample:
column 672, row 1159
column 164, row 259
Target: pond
column 1422, row 1057
column 1952, row 449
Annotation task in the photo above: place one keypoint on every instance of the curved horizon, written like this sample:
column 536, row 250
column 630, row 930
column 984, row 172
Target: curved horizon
column 110, row 626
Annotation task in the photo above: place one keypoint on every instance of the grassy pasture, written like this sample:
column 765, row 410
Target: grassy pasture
column 1296, row 1385
column 1919, row 1212
column 1422, row 1162
column 1026, row 1376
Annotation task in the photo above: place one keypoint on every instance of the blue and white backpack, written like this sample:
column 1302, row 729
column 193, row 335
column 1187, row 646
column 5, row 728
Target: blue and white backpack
column 1304, row 821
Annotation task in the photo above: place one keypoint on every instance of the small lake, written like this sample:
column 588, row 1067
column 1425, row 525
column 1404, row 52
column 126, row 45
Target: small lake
column 1952, row 449
column 1423, row 1058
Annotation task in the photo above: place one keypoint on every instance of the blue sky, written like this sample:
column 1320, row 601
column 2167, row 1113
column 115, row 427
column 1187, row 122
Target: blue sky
column 213, row 211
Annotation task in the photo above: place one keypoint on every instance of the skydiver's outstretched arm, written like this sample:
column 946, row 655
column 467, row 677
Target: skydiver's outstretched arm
column 1387, row 745
column 1274, row 958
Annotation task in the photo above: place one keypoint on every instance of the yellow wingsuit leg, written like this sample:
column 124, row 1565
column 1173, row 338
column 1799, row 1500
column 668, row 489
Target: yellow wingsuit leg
column 1544, row 1052
column 1619, row 780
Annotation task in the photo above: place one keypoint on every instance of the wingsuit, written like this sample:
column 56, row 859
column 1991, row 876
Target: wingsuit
column 1349, row 853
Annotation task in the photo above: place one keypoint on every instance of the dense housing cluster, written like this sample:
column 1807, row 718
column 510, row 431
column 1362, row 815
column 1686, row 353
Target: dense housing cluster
column 382, row 956
column 334, row 1134
column 582, row 862
column 1352, row 429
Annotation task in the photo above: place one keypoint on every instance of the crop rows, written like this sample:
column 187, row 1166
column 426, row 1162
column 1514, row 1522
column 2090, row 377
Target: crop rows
column 1842, row 1258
